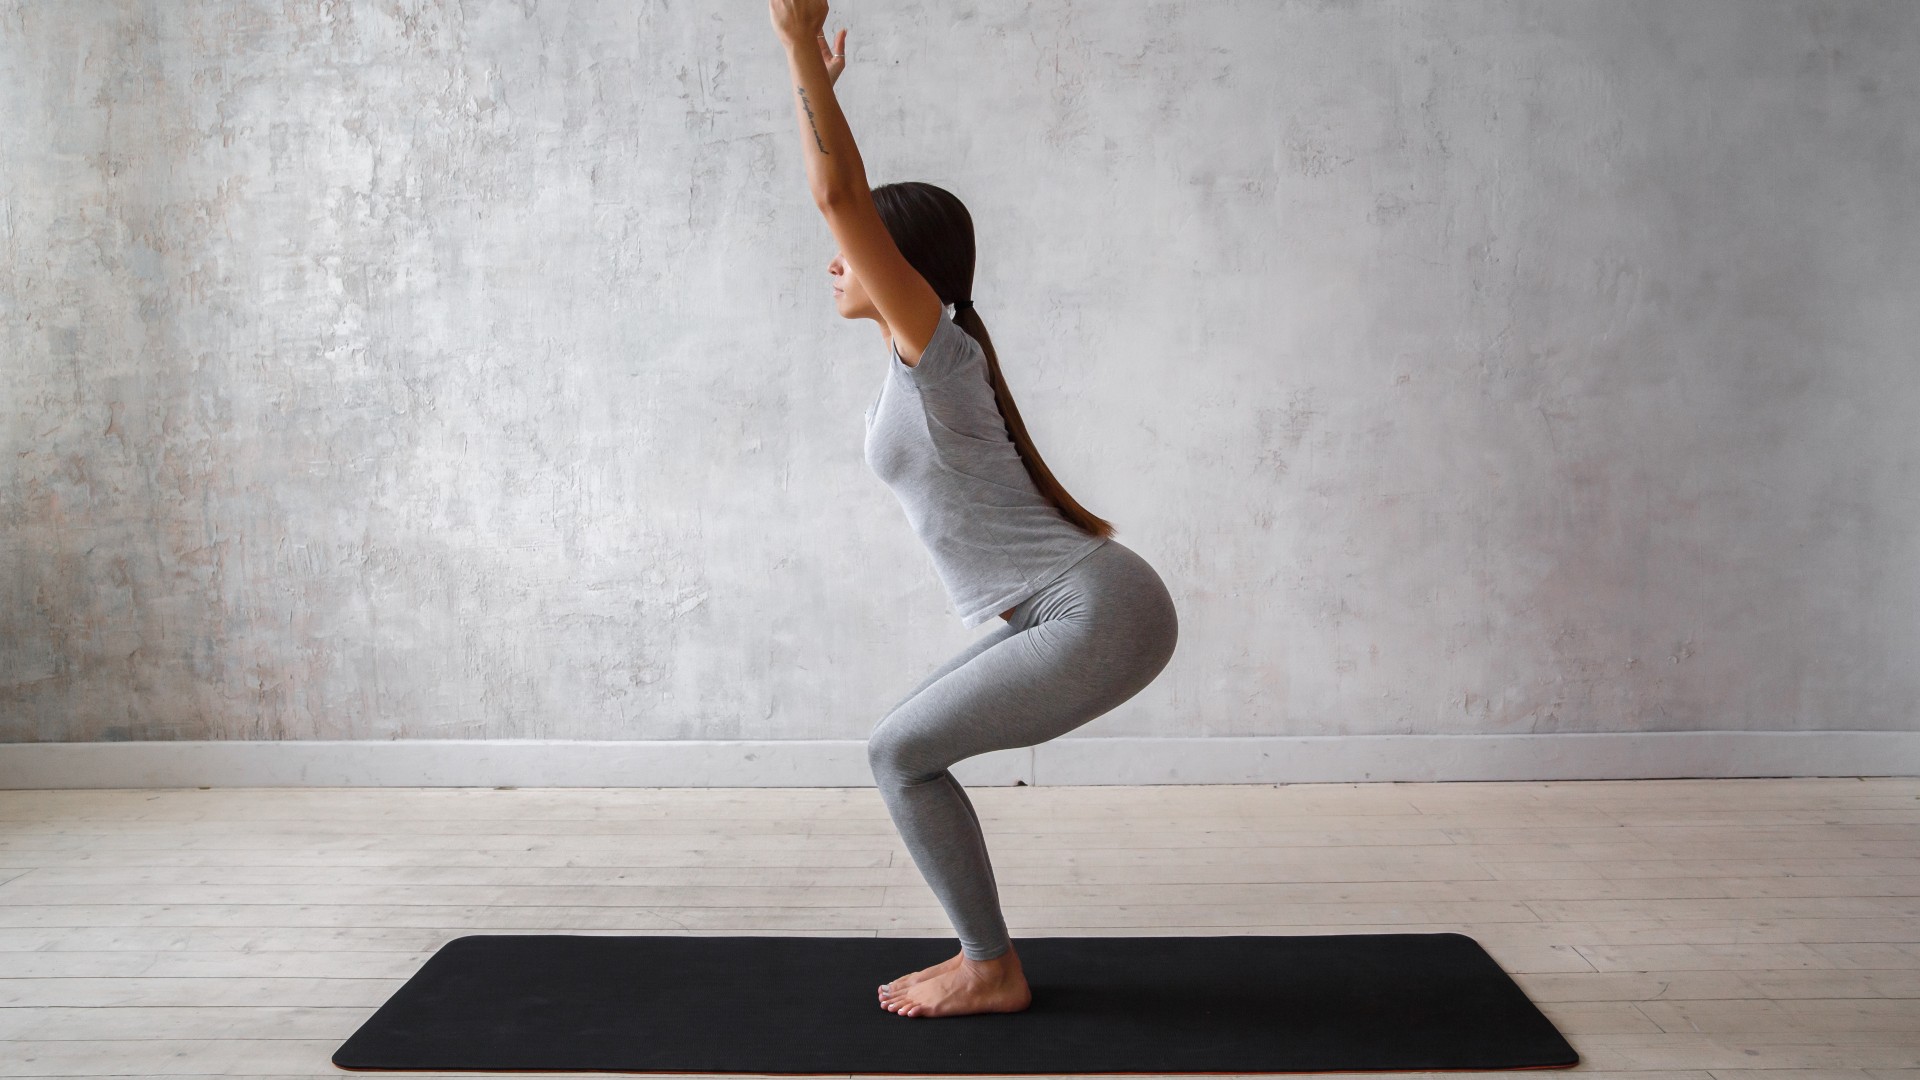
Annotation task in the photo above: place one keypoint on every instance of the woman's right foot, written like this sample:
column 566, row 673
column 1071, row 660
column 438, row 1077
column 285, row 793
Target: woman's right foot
column 890, row 989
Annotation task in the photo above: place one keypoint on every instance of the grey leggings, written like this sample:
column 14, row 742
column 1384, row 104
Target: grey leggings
column 1091, row 639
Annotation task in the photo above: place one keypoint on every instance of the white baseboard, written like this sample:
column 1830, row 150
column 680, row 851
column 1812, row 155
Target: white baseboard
column 538, row 763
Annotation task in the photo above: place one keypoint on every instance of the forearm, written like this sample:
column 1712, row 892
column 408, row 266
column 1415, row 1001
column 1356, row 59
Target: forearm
column 834, row 168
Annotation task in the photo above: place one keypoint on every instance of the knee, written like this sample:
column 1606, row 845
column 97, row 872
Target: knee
column 883, row 751
column 892, row 756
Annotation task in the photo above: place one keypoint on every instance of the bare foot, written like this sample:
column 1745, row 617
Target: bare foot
column 896, row 986
column 976, row 986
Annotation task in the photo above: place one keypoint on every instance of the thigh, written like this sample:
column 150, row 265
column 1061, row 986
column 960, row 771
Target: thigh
column 978, row 646
column 1024, row 688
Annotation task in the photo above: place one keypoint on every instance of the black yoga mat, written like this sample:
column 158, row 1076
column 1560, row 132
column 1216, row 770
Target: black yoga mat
column 807, row 1005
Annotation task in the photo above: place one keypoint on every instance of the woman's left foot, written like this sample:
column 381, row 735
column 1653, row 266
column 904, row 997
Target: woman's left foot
column 970, row 988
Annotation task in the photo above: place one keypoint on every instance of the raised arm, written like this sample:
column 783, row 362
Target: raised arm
column 833, row 162
column 909, row 308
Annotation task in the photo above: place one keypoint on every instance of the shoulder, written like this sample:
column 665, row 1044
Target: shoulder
column 948, row 350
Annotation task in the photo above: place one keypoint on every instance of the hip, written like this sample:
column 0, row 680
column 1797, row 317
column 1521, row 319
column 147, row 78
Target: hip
column 1111, row 582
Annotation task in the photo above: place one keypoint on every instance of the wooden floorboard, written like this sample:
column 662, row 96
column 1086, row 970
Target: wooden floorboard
column 1672, row 929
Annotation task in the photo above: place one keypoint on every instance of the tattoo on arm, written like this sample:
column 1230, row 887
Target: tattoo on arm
column 812, row 121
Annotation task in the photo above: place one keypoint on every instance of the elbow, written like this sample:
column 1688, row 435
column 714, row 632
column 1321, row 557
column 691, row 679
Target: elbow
column 840, row 193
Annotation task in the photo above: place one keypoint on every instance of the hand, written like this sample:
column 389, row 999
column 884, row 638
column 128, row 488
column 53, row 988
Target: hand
column 797, row 20
column 835, row 56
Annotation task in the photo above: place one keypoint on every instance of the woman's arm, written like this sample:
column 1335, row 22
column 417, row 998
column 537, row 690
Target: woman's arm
column 834, row 168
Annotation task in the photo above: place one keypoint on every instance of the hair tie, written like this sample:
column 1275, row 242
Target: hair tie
column 961, row 304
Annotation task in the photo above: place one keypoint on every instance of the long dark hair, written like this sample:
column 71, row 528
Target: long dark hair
column 934, row 232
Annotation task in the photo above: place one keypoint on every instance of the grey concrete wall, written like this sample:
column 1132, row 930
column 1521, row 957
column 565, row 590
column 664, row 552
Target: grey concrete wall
column 433, row 370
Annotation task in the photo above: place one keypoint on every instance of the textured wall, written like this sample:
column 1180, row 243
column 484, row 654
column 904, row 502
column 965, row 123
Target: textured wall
column 431, row 369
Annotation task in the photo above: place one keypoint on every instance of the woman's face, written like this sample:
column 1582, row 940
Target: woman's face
column 849, row 297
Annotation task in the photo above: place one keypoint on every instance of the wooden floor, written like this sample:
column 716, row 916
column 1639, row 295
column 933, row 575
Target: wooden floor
column 1672, row 929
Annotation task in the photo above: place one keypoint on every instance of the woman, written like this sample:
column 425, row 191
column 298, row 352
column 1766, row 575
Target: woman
column 1088, row 622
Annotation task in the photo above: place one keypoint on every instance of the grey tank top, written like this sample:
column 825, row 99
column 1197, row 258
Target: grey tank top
column 935, row 436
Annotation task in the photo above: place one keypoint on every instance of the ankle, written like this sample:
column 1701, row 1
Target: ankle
column 1006, row 961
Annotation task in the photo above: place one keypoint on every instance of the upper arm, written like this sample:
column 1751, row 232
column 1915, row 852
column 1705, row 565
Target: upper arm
column 908, row 305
